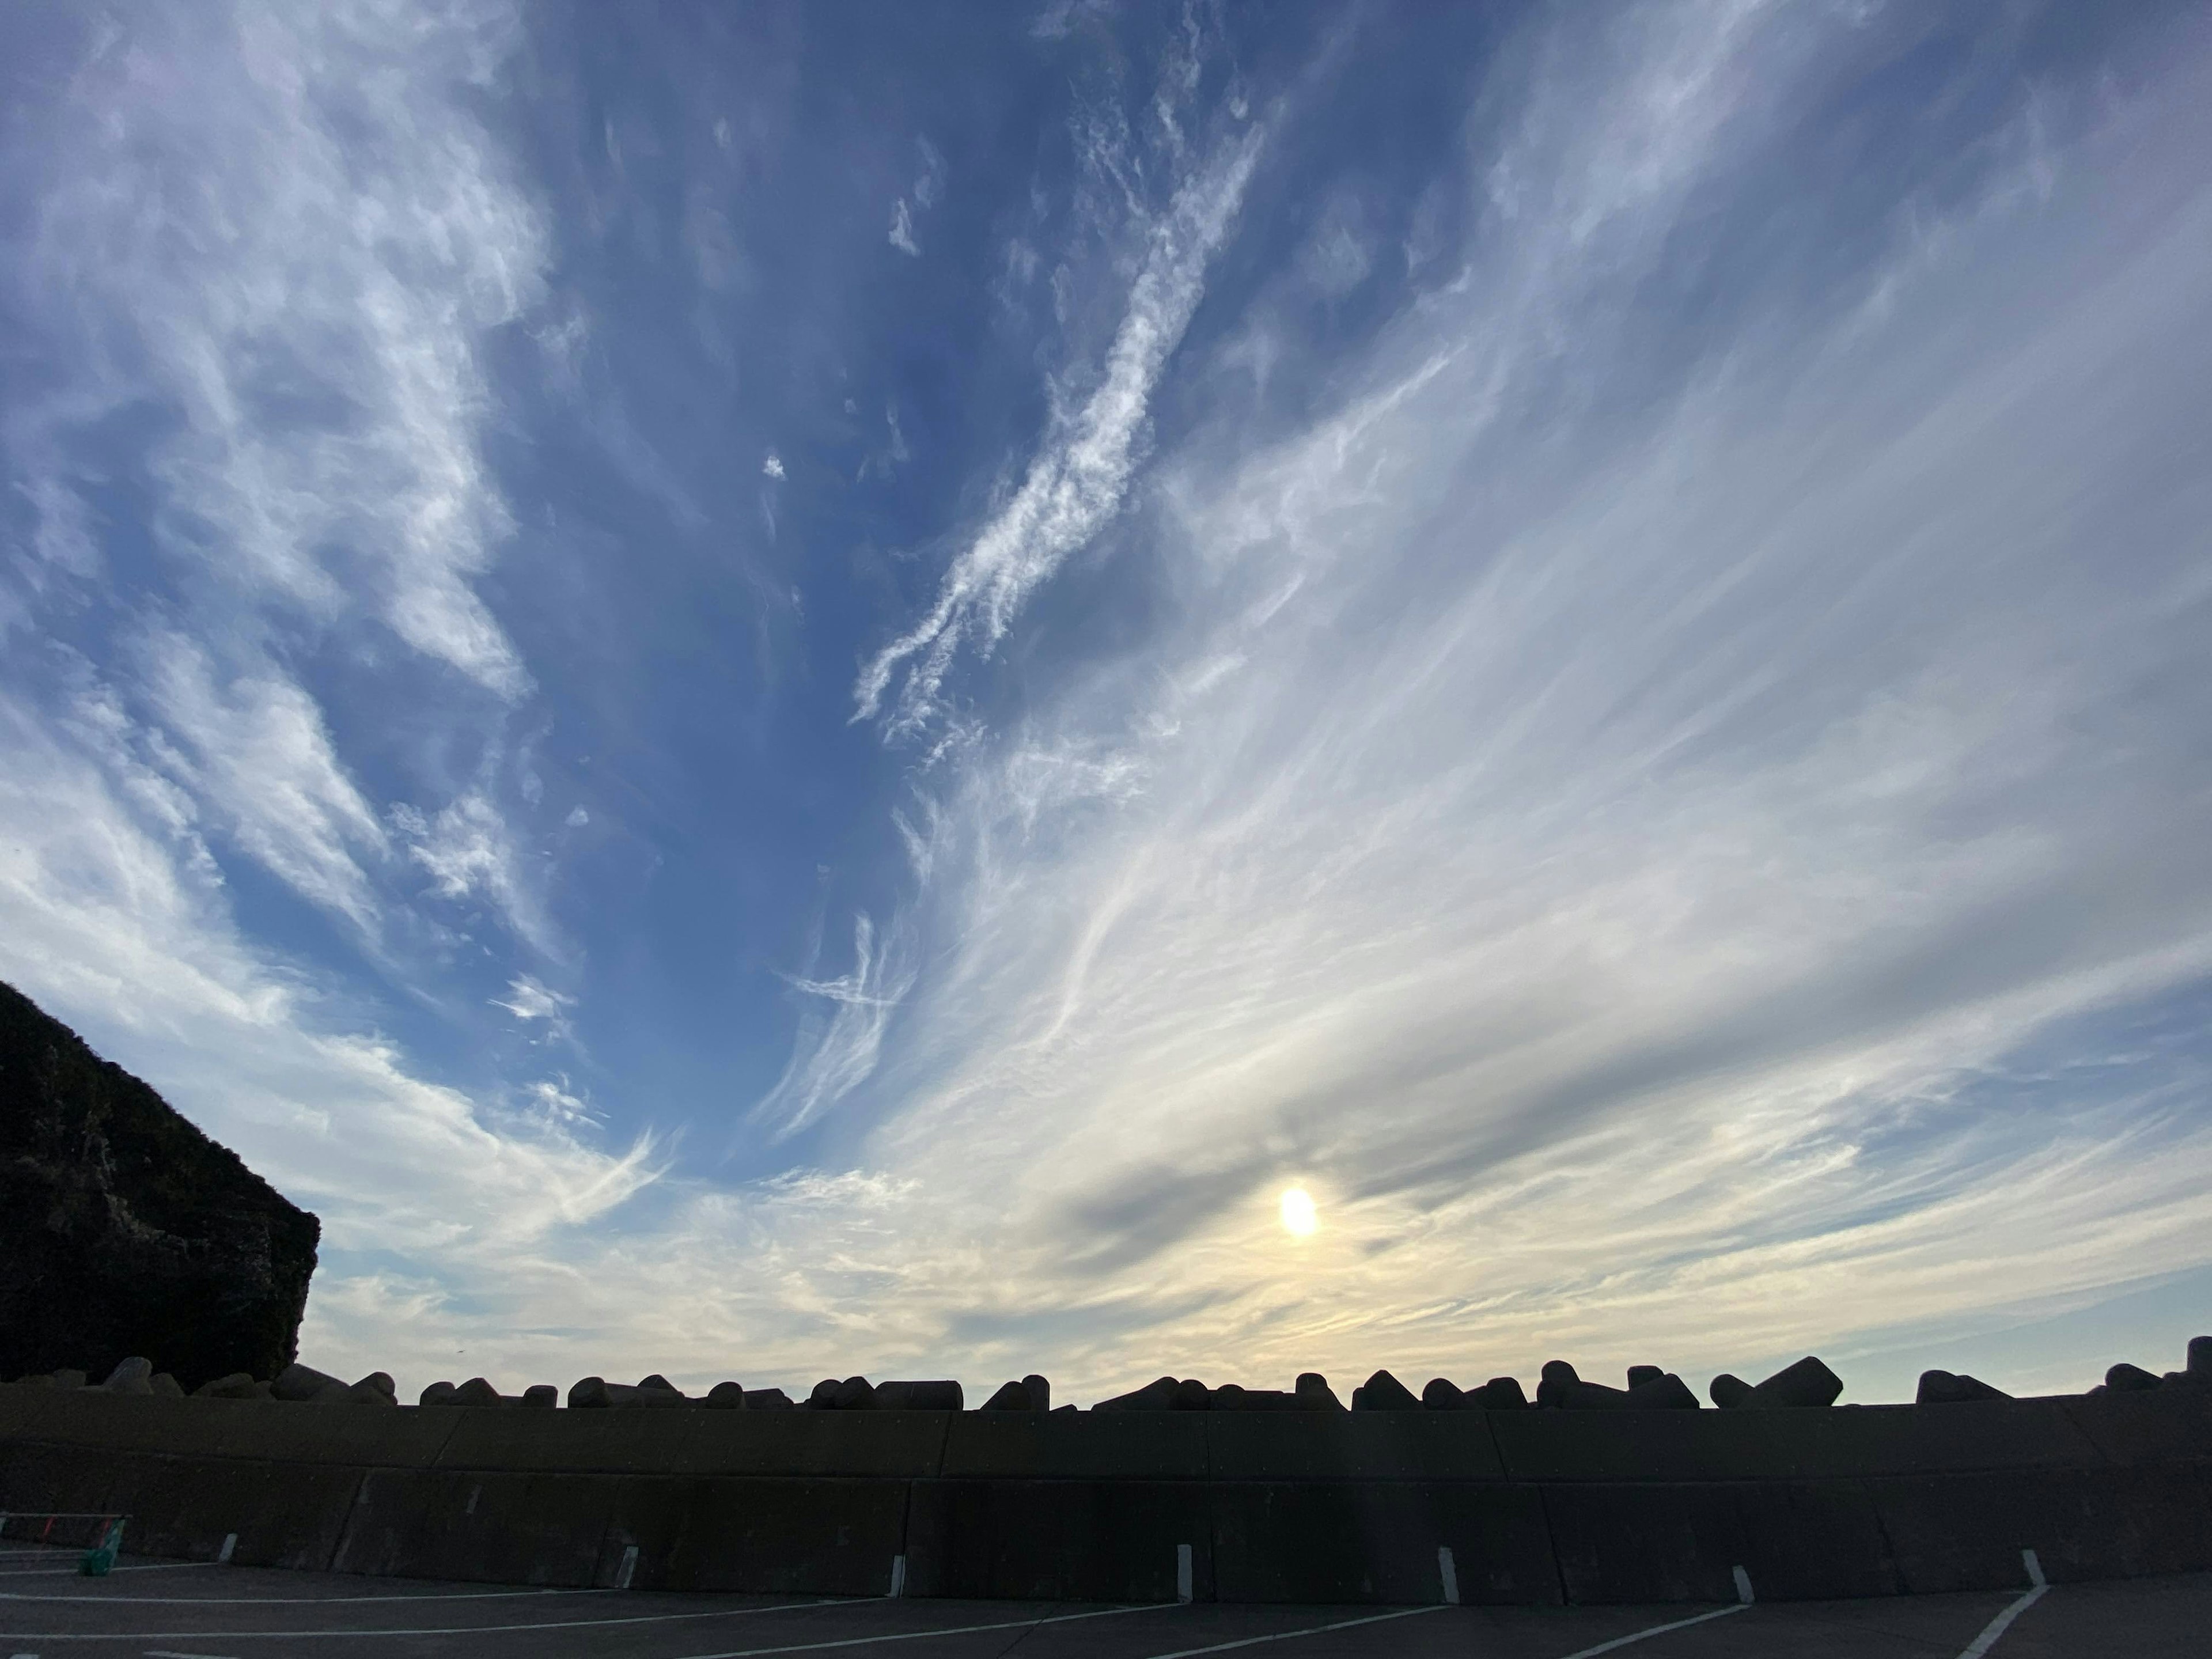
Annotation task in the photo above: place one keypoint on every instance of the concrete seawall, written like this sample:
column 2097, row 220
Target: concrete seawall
column 1515, row 1507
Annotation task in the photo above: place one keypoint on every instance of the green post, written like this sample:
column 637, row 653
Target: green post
column 101, row 1556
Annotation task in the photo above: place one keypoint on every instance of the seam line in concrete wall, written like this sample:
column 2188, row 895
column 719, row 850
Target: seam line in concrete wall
column 1552, row 1546
column 353, row 1509
column 355, row 1505
column 905, row 1542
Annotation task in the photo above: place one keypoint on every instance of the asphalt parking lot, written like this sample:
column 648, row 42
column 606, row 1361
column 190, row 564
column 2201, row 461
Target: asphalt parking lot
column 198, row 1610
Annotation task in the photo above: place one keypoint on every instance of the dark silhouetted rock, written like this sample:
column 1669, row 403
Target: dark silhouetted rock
column 541, row 1397
column 1029, row 1395
column 1383, row 1393
column 1312, row 1389
column 298, row 1383
column 591, row 1394
column 1442, row 1394
column 1560, row 1389
column 1639, row 1375
column 825, row 1397
column 1500, row 1394
column 377, row 1388
column 440, row 1393
column 165, row 1387
column 934, row 1397
column 727, row 1397
column 1158, row 1395
column 1553, row 1383
column 654, row 1382
column 1581, row 1397
column 1664, row 1393
column 125, row 1230
column 854, row 1394
column 1228, row 1397
column 1945, row 1388
column 1190, row 1395
column 131, row 1376
column 2200, row 1358
column 236, row 1385
column 1807, row 1382
column 1729, row 1392
column 768, row 1400
column 476, row 1391
column 2124, row 1378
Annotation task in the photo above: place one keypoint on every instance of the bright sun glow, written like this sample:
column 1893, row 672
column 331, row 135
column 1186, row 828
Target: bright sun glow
column 1299, row 1212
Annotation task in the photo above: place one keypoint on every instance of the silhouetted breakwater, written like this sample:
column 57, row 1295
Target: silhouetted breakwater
column 1807, row 1383
column 1586, row 1492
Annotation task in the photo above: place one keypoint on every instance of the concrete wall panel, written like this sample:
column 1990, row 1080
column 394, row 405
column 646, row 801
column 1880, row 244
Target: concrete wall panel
column 2160, row 1426
column 1814, row 1540
column 500, row 1528
column 1076, row 1541
column 892, row 1444
column 1646, row 1543
column 1079, row 1445
column 1350, row 1445
column 1379, row 1542
column 766, row 1535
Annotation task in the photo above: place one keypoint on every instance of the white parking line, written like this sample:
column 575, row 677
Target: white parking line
column 1311, row 1630
column 918, row 1635
column 296, row 1600
column 359, row 1632
column 1658, row 1630
column 1998, row 1625
column 71, row 1572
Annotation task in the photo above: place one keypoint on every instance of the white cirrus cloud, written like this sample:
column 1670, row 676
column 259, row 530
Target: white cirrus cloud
column 470, row 852
column 256, row 751
column 1074, row 484
column 285, row 229
column 1607, row 830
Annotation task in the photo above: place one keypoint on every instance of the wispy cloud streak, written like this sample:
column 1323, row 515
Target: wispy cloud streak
column 833, row 1055
column 1075, row 482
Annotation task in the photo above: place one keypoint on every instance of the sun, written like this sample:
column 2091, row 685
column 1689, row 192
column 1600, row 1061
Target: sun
column 1299, row 1212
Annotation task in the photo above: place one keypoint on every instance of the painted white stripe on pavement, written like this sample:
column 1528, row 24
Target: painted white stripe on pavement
column 298, row 1600
column 1291, row 1635
column 71, row 1572
column 359, row 1633
column 1658, row 1630
column 918, row 1635
column 2039, row 1586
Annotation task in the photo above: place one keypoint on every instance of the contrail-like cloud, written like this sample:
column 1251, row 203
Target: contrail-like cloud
column 1077, row 480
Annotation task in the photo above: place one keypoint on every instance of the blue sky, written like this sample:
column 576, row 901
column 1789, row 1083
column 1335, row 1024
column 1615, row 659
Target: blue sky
column 770, row 691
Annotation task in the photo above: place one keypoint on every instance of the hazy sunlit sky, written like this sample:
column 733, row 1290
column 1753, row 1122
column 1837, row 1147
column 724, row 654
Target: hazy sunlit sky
column 781, row 690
